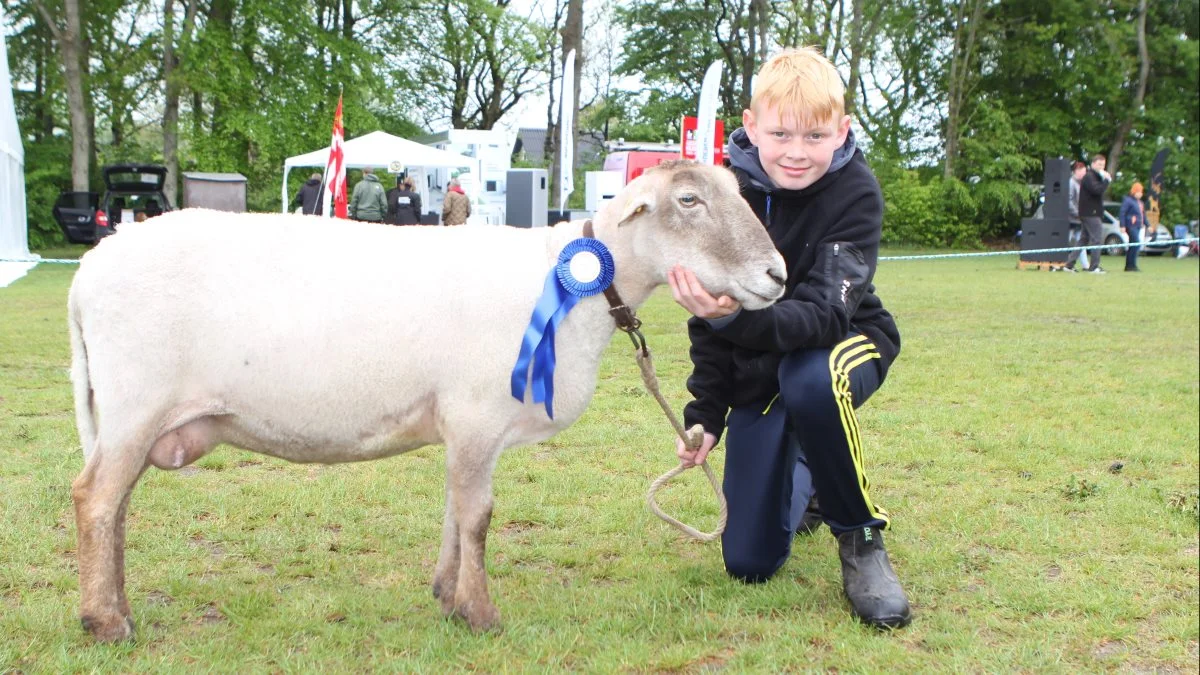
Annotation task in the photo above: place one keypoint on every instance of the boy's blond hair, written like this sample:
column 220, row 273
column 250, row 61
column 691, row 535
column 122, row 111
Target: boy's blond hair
column 801, row 83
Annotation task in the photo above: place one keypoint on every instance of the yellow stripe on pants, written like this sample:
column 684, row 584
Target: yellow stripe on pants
column 845, row 357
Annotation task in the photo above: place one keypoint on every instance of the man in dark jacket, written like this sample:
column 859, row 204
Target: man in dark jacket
column 309, row 196
column 1091, row 212
column 785, row 380
column 404, row 204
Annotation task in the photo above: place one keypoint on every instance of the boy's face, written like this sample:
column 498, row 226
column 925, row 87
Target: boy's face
column 1079, row 173
column 794, row 154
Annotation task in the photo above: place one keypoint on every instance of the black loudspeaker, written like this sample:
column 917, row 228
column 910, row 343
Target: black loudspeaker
column 1058, row 187
column 1039, row 233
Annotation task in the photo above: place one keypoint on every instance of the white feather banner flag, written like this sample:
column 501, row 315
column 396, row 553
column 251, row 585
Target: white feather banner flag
column 706, row 116
column 566, row 121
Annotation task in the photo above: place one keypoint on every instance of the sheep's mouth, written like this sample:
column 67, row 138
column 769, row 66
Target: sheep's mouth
column 767, row 299
column 751, row 297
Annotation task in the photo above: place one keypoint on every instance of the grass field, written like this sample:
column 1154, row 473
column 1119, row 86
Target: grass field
column 1036, row 444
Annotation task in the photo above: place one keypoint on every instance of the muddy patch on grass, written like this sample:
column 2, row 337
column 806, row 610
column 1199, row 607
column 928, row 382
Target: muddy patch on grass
column 1107, row 649
column 215, row 549
column 209, row 614
column 515, row 527
column 158, row 598
column 711, row 663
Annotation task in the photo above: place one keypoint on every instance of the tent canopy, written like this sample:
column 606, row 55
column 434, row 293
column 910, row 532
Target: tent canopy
column 14, row 242
column 379, row 149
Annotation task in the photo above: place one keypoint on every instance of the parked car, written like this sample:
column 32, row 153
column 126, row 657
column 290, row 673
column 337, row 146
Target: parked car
column 1115, row 240
column 131, row 190
column 79, row 216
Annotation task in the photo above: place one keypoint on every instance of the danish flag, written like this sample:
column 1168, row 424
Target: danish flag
column 335, row 169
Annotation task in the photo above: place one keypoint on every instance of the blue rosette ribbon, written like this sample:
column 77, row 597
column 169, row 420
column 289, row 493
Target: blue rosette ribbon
column 585, row 267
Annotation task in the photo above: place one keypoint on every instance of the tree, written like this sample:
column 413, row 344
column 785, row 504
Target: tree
column 1139, row 95
column 67, row 29
column 670, row 47
column 471, row 60
column 961, row 76
column 172, row 87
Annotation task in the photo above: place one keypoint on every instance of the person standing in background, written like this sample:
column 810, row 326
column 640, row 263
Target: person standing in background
column 309, row 196
column 1091, row 209
column 1074, row 222
column 368, row 203
column 404, row 204
column 456, row 207
column 1133, row 216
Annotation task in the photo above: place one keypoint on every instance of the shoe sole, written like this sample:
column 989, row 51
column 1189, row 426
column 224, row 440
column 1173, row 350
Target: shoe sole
column 887, row 623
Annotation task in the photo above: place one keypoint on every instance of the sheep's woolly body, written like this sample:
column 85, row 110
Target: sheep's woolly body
column 362, row 340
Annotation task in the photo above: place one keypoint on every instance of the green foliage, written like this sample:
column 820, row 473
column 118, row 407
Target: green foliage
column 47, row 172
column 933, row 212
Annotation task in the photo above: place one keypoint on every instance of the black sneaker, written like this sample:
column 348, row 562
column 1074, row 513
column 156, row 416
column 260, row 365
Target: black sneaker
column 812, row 519
column 869, row 582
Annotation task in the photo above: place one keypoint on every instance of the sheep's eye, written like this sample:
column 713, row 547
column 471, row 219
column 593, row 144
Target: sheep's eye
column 688, row 200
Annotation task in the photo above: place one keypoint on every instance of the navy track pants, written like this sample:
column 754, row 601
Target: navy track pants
column 778, row 453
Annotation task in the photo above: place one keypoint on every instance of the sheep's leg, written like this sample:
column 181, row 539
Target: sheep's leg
column 470, row 478
column 445, row 577
column 101, row 494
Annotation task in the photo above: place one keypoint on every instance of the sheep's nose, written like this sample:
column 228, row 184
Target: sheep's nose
column 776, row 276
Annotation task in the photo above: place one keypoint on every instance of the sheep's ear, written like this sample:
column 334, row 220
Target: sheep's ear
column 637, row 204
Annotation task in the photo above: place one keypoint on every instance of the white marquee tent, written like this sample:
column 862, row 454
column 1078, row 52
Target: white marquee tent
column 14, row 239
column 378, row 150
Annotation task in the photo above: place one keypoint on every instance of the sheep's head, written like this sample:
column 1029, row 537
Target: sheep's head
column 689, row 214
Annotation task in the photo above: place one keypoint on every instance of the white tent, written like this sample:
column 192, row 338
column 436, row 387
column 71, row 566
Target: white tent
column 379, row 149
column 14, row 236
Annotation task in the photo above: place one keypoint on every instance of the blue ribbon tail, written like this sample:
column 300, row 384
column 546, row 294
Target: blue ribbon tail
column 544, row 358
column 543, row 311
column 537, row 346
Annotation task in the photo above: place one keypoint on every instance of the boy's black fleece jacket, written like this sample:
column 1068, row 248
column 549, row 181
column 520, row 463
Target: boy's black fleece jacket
column 828, row 235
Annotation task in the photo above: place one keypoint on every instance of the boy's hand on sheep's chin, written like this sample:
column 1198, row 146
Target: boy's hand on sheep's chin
column 692, row 296
column 690, row 458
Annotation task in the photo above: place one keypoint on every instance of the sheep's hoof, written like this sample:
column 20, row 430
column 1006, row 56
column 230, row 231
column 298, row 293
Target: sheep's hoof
column 113, row 628
column 481, row 618
column 444, row 592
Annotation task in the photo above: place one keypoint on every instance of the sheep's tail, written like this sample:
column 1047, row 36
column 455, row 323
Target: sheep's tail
column 85, row 415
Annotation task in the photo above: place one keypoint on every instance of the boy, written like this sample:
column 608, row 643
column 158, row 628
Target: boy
column 790, row 376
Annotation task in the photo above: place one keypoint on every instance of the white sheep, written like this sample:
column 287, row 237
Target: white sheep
column 328, row 342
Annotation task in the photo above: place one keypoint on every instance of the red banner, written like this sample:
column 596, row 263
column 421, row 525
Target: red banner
column 688, row 140
column 335, row 169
